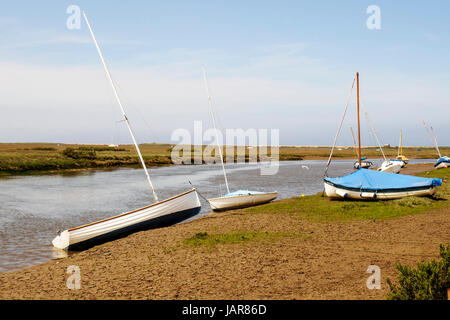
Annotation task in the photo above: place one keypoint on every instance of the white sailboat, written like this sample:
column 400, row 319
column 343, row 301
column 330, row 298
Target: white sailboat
column 365, row 164
column 387, row 165
column 443, row 161
column 240, row 198
column 159, row 214
column 400, row 156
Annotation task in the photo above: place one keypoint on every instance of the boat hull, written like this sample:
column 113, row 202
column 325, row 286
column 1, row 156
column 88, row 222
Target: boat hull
column 157, row 215
column 241, row 201
column 442, row 165
column 364, row 164
column 343, row 193
column 391, row 166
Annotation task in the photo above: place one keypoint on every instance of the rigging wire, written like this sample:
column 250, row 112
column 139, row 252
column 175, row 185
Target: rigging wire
column 339, row 128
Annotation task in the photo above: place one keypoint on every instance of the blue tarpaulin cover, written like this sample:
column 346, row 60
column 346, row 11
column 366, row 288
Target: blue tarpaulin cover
column 442, row 159
column 372, row 180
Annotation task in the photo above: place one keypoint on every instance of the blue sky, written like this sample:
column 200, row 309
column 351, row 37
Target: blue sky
column 285, row 65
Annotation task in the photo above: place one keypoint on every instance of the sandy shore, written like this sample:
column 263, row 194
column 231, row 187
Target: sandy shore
column 327, row 260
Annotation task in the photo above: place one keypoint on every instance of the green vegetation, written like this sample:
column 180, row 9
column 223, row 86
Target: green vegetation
column 88, row 154
column 38, row 158
column 35, row 158
column 211, row 240
column 318, row 208
column 429, row 281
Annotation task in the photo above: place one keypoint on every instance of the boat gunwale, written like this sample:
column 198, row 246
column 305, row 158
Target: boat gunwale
column 244, row 195
column 130, row 212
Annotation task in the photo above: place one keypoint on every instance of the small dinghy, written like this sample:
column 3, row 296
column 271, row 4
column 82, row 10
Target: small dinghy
column 365, row 164
column 443, row 162
column 399, row 161
column 240, row 198
column 370, row 184
column 159, row 214
column 391, row 166
column 387, row 165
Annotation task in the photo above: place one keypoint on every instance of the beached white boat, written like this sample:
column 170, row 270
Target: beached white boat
column 240, row 198
column 443, row 161
column 365, row 184
column 158, row 214
column 387, row 165
column 365, row 164
column 391, row 166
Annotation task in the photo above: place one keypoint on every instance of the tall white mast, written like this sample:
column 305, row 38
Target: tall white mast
column 435, row 142
column 121, row 108
column 375, row 134
column 205, row 77
column 433, row 138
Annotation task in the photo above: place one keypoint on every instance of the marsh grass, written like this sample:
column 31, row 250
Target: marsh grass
column 38, row 158
column 211, row 240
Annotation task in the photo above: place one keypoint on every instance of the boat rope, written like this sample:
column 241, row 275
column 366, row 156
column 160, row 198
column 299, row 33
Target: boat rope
column 219, row 147
column 201, row 195
column 339, row 129
column 374, row 133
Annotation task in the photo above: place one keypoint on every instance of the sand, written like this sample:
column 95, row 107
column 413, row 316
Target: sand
column 329, row 261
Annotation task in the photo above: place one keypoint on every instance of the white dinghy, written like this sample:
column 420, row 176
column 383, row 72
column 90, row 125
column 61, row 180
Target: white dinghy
column 364, row 162
column 240, row 198
column 391, row 166
column 159, row 214
column 443, row 161
column 387, row 165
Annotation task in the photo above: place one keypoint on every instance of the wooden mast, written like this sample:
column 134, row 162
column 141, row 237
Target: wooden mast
column 359, row 129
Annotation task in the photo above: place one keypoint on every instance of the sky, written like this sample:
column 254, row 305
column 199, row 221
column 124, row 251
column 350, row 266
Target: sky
column 286, row 65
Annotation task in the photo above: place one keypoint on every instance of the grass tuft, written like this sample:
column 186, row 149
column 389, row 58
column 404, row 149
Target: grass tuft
column 211, row 240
